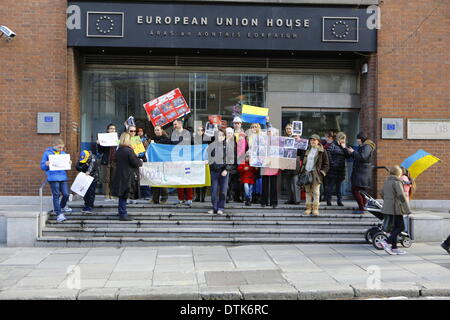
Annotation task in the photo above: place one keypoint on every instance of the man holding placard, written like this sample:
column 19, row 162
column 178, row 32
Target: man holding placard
column 107, row 147
column 54, row 162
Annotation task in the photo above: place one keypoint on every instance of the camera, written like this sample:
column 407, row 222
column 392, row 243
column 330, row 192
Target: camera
column 7, row 32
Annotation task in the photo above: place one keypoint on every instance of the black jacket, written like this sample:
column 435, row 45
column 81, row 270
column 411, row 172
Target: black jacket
column 126, row 181
column 162, row 140
column 362, row 165
column 108, row 154
column 336, row 157
column 91, row 167
column 217, row 157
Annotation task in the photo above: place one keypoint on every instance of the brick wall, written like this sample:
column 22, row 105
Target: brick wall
column 33, row 78
column 414, row 82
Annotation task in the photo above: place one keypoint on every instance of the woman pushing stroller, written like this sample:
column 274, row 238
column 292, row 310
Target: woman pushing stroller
column 395, row 206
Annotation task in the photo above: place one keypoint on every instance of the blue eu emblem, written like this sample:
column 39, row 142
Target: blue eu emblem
column 340, row 29
column 105, row 24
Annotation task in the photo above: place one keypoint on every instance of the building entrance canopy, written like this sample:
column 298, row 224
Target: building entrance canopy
column 224, row 26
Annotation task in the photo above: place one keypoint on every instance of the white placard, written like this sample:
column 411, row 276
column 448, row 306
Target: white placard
column 297, row 127
column 81, row 183
column 173, row 173
column 429, row 129
column 59, row 162
column 108, row 139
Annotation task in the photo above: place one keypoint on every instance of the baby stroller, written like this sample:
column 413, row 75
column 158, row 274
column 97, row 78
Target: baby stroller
column 376, row 235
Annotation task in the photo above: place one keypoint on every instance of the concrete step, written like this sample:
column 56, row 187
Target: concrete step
column 206, row 233
column 306, row 223
column 52, row 241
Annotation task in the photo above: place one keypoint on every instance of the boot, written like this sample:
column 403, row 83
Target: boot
column 308, row 209
column 339, row 203
column 315, row 209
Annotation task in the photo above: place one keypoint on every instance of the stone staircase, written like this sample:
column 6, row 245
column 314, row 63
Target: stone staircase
column 155, row 225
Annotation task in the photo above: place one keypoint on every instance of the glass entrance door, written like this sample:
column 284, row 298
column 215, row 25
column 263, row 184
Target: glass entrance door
column 321, row 121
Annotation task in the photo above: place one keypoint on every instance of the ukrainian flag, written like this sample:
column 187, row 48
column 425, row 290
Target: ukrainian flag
column 254, row 114
column 419, row 162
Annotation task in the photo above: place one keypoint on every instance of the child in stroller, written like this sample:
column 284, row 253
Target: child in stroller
column 379, row 234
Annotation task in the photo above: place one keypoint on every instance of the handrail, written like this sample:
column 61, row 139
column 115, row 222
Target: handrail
column 41, row 198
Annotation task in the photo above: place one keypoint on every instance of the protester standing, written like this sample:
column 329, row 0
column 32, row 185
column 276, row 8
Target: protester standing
column 337, row 155
column 396, row 205
column 220, row 162
column 408, row 183
column 88, row 164
column 57, row 180
column 269, row 180
column 127, row 177
column 234, row 186
column 247, row 175
column 183, row 137
column 200, row 138
column 362, row 169
column 107, row 164
column 160, row 195
column 315, row 162
column 292, row 175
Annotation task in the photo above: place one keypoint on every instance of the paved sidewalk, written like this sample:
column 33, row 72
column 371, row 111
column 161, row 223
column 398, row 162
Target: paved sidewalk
column 306, row 271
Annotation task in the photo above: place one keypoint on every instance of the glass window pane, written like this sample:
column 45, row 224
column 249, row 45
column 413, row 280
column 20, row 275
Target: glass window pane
column 335, row 83
column 291, row 83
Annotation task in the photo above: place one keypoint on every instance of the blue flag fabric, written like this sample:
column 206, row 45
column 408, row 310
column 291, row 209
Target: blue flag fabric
column 167, row 152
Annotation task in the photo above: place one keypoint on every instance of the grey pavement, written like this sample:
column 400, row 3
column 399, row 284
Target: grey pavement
column 302, row 271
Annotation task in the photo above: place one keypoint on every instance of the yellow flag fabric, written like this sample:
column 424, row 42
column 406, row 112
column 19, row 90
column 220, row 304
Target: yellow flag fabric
column 421, row 165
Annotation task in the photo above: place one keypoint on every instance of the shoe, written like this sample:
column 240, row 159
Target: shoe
column 315, row 211
column 125, row 218
column 153, row 202
column 386, row 247
column 180, row 203
column 189, row 203
column 211, row 211
column 66, row 209
column 340, row 204
column 329, row 203
column 61, row 218
column 163, row 202
column 219, row 212
column 308, row 209
column 445, row 247
column 289, row 202
column 398, row 251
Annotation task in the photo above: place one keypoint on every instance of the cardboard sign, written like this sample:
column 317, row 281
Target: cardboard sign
column 273, row 152
column 166, row 108
column 214, row 119
column 81, row 184
column 137, row 145
column 59, row 162
column 108, row 139
column 174, row 174
column 297, row 127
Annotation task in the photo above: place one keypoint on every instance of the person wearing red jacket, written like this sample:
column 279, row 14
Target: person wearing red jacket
column 247, row 177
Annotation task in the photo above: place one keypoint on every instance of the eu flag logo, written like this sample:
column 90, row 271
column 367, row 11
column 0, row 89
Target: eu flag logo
column 105, row 24
column 340, row 29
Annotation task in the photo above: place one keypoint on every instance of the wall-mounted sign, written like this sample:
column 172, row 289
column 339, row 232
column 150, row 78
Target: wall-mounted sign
column 392, row 128
column 48, row 122
column 429, row 129
column 219, row 26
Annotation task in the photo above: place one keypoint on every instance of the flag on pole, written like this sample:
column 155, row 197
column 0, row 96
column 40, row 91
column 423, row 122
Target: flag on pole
column 252, row 114
column 419, row 162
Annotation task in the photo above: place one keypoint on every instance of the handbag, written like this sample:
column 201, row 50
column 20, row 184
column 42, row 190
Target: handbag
column 305, row 179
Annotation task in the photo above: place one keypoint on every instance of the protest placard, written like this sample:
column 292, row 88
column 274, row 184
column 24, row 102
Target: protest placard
column 174, row 174
column 108, row 139
column 137, row 145
column 166, row 108
column 81, row 183
column 273, row 152
column 210, row 129
column 59, row 162
column 215, row 119
column 297, row 127
column 301, row 144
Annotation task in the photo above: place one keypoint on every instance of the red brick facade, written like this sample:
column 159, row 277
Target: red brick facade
column 408, row 78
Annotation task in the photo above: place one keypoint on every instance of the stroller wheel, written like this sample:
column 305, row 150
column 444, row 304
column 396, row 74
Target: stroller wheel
column 377, row 239
column 406, row 241
column 369, row 234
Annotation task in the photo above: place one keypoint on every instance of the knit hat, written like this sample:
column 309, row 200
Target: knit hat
column 362, row 136
column 237, row 119
column 316, row 137
column 84, row 156
column 229, row 130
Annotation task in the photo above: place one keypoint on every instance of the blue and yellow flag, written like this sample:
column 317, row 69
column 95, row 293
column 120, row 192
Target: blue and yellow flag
column 419, row 162
column 252, row 114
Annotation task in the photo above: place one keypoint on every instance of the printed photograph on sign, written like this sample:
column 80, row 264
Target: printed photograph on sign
column 172, row 115
column 275, row 141
column 178, row 102
column 181, row 110
column 161, row 121
column 301, row 144
column 274, row 151
column 215, row 119
column 262, row 151
column 156, row 112
column 290, row 153
column 167, row 107
column 297, row 127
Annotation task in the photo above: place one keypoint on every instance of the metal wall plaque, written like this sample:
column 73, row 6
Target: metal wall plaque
column 392, row 128
column 429, row 129
column 48, row 122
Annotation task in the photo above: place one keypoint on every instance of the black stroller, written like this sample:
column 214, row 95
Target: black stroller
column 376, row 235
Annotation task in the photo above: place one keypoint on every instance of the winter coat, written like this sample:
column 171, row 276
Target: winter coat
column 91, row 167
column 395, row 202
column 184, row 137
column 57, row 175
column 108, row 154
column 337, row 156
column 218, row 159
column 321, row 164
column 126, row 181
column 162, row 139
column 249, row 175
column 362, row 165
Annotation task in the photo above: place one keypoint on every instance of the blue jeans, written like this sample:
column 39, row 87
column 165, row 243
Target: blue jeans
column 218, row 184
column 59, row 187
column 122, row 206
column 248, row 188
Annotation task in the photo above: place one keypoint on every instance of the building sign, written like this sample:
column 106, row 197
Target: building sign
column 224, row 26
column 429, row 129
column 392, row 128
